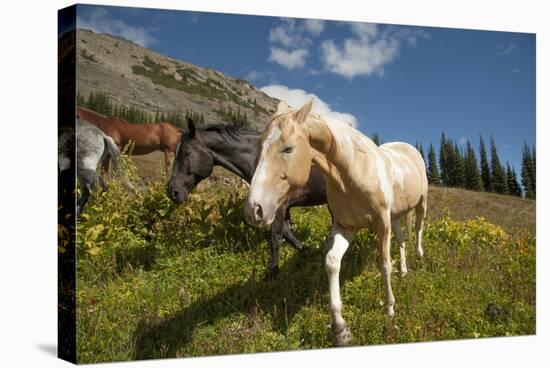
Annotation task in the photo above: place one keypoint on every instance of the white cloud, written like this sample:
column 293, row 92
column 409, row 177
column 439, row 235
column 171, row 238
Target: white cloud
column 357, row 57
column 407, row 34
column 290, row 41
column 292, row 33
column 506, row 49
column 194, row 17
column 298, row 97
column 314, row 26
column 99, row 21
column 289, row 59
column 368, row 51
column 365, row 31
column 287, row 34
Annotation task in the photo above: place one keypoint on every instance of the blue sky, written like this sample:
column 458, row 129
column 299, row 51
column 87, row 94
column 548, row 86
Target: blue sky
column 405, row 83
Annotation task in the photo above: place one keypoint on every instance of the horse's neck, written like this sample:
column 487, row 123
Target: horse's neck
column 239, row 158
column 334, row 155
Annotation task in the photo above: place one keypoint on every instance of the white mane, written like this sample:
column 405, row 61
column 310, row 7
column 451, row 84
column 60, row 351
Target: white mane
column 347, row 138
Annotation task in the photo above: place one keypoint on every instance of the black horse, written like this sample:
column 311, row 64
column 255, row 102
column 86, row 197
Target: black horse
column 236, row 150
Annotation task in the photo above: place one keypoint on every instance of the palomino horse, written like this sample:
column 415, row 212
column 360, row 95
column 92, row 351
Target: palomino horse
column 237, row 151
column 367, row 187
column 93, row 146
column 146, row 137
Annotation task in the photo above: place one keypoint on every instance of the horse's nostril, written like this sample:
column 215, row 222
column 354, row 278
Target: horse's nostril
column 175, row 194
column 258, row 212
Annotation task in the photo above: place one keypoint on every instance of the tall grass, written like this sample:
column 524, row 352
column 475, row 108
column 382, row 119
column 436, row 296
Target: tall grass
column 160, row 281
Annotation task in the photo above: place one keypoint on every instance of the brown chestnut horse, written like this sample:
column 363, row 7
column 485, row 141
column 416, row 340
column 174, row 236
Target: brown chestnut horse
column 146, row 138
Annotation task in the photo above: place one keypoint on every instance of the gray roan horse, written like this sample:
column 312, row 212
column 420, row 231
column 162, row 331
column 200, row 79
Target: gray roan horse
column 92, row 147
column 237, row 151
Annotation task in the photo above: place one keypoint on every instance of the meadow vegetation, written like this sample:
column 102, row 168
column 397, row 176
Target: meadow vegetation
column 155, row 280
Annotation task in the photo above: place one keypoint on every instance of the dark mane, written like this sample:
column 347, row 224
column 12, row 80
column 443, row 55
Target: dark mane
column 234, row 132
column 230, row 129
column 227, row 132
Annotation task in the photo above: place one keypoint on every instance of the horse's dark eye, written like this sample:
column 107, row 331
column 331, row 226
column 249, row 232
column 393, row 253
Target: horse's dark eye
column 186, row 153
column 288, row 149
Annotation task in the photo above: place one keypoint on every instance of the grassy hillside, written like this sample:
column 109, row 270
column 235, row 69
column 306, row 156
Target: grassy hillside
column 502, row 210
column 154, row 281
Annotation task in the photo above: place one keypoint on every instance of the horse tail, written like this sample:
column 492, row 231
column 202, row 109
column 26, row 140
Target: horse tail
column 112, row 151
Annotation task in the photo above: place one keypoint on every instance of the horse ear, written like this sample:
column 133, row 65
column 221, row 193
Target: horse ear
column 191, row 126
column 282, row 107
column 301, row 115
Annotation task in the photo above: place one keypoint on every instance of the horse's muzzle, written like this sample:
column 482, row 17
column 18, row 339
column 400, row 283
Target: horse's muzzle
column 255, row 215
column 178, row 196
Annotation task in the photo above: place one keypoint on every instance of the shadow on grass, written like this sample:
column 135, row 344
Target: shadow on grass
column 301, row 281
column 139, row 257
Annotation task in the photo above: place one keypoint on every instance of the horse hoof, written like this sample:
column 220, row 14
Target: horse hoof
column 390, row 311
column 272, row 273
column 298, row 246
column 420, row 253
column 403, row 273
column 341, row 338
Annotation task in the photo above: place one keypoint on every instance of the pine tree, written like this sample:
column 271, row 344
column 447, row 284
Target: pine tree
column 534, row 170
column 157, row 116
column 517, row 188
column 80, row 100
column 90, row 104
column 484, row 163
column 458, row 164
column 511, row 177
column 471, row 170
column 451, row 163
column 498, row 176
column 433, row 170
column 528, row 172
column 376, row 139
column 420, row 149
column 443, row 160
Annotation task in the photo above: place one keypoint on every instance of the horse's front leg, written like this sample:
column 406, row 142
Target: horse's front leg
column 337, row 244
column 287, row 232
column 276, row 240
column 399, row 237
column 168, row 155
column 383, row 230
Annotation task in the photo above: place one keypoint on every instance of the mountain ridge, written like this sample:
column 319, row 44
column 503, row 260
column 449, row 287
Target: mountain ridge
column 133, row 75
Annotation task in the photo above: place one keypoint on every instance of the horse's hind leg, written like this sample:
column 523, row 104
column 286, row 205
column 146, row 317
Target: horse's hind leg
column 383, row 230
column 287, row 232
column 87, row 182
column 419, row 225
column 104, row 175
column 396, row 227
